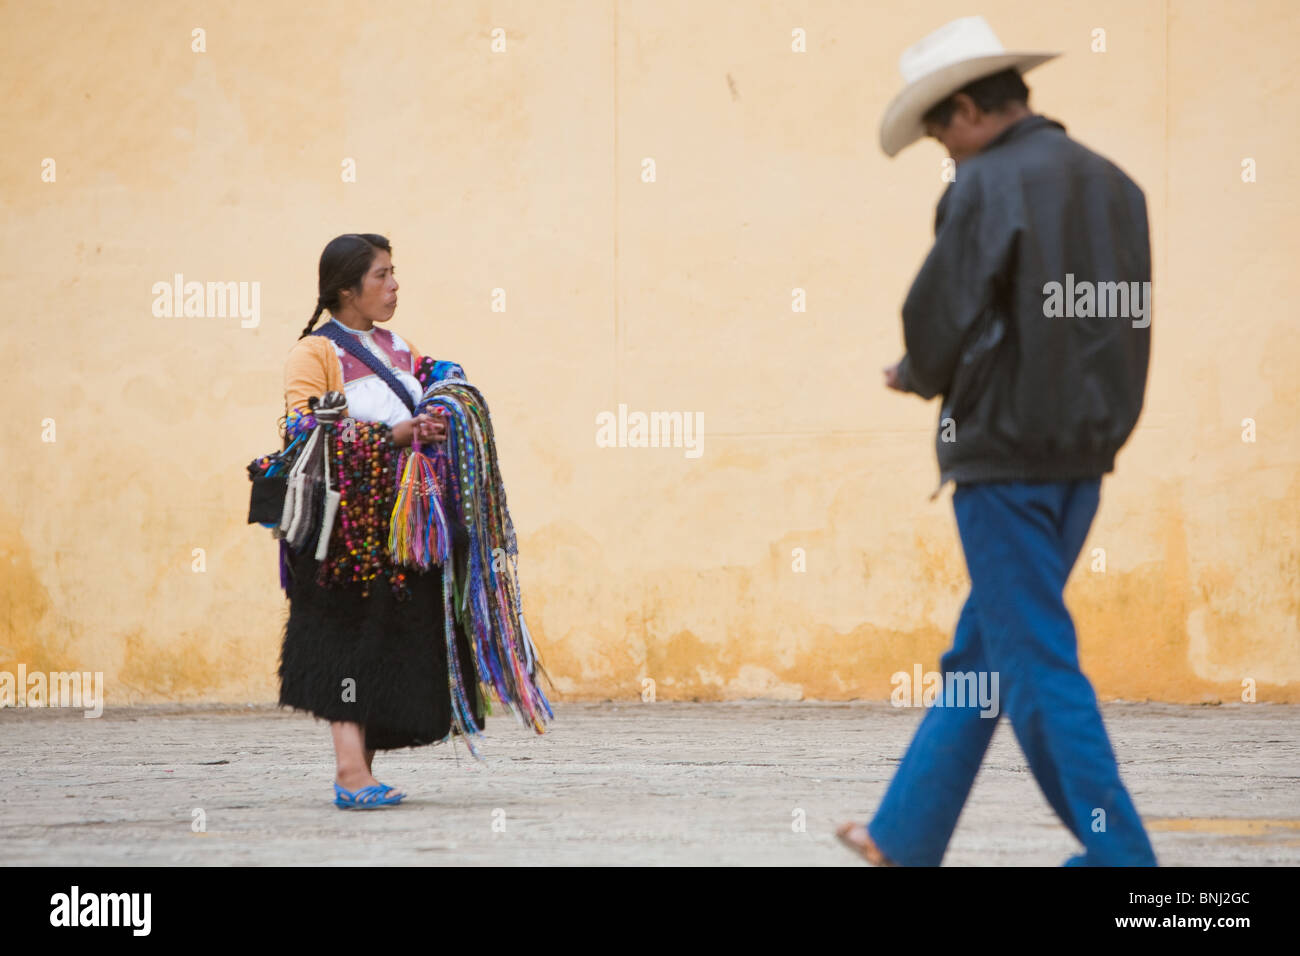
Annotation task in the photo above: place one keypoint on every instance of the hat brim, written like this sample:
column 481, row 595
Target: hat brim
column 902, row 126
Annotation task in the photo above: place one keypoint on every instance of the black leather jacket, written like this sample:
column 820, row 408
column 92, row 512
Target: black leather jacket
column 1034, row 387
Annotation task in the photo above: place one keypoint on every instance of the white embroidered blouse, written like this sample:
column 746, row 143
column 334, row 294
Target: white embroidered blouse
column 369, row 397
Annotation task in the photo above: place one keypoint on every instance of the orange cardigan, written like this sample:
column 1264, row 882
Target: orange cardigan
column 313, row 368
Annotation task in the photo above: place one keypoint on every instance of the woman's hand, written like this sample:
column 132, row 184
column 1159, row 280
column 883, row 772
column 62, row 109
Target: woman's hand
column 422, row 428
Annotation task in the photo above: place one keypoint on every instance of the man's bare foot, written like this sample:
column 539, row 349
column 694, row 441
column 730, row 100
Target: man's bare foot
column 855, row 836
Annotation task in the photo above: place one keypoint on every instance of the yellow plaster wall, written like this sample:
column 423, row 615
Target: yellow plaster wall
column 522, row 171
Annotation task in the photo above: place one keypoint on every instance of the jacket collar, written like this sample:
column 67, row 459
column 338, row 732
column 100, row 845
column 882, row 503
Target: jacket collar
column 1021, row 127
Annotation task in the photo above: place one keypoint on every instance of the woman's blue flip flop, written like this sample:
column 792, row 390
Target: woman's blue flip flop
column 366, row 798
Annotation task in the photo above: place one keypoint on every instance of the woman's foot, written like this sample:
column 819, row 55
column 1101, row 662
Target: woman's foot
column 855, row 836
column 354, row 780
column 352, row 759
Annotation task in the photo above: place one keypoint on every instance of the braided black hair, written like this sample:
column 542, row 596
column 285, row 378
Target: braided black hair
column 343, row 265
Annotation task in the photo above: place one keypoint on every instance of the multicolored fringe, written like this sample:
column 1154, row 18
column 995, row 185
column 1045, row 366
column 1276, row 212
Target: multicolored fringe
column 418, row 534
column 489, row 604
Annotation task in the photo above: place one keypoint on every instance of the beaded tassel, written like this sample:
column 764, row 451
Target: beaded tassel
column 418, row 535
column 365, row 466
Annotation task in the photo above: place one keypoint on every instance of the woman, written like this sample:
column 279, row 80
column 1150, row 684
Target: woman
column 367, row 651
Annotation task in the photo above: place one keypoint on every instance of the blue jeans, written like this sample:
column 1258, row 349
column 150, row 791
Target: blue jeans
column 1021, row 539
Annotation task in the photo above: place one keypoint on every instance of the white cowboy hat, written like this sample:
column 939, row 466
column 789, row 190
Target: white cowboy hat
column 938, row 66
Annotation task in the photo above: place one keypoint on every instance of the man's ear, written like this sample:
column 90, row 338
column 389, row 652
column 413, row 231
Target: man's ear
column 966, row 108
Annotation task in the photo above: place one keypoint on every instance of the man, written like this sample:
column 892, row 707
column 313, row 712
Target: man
column 1039, row 393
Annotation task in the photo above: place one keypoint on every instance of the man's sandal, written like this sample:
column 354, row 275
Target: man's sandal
column 862, row 845
column 367, row 798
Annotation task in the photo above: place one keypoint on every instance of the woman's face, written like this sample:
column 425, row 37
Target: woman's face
column 378, row 299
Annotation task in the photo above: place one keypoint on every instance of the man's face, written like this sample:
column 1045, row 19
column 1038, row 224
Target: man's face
column 967, row 131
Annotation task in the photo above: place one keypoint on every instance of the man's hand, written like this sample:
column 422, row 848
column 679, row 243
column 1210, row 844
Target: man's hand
column 892, row 377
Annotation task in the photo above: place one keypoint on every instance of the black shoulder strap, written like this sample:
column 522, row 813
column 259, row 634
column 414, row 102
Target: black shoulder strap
column 362, row 354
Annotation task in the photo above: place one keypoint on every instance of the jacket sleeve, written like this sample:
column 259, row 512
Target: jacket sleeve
column 304, row 375
column 973, row 252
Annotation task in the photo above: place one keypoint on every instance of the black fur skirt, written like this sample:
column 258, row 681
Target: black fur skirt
column 375, row 660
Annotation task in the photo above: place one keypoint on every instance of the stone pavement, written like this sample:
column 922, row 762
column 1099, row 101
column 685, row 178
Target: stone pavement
column 619, row 782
